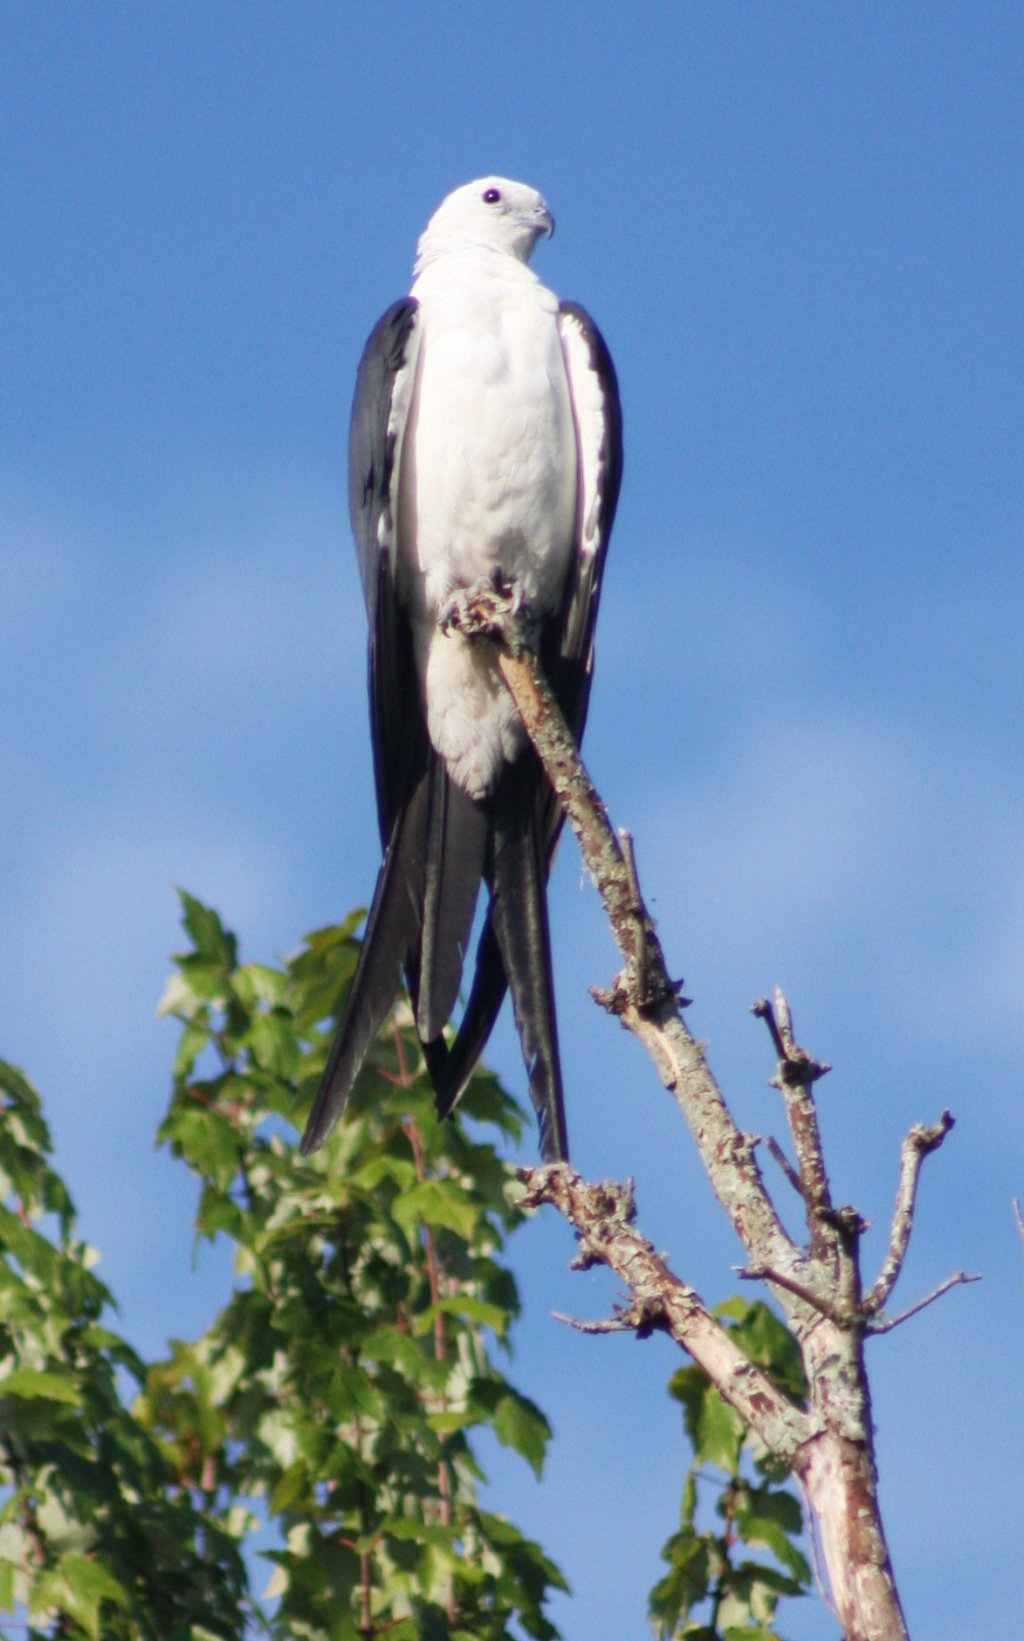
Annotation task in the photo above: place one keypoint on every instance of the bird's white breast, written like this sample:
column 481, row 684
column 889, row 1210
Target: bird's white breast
column 488, row 481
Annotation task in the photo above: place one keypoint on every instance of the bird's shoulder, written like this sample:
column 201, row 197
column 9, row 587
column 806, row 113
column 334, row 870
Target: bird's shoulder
column 386, row 347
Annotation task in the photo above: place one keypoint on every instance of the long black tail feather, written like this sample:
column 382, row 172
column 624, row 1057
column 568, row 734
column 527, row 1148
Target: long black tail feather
column 441, row 844
column 457, row 840
column 451, row 1070
column 389, row 942
column 519, row 916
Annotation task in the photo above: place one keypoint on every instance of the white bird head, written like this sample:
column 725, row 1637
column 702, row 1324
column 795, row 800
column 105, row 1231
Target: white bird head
column 491, row 214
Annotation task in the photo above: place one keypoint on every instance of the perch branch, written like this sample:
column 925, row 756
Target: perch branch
column 644, row 997
column 830, row 1446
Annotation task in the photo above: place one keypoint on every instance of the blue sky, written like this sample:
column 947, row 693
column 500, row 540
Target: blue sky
column 800, row 228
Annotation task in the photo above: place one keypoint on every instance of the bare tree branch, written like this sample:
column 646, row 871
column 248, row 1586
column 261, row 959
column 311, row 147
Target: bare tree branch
column 917, row 1145
column 830, row 1445
column 625, row 1321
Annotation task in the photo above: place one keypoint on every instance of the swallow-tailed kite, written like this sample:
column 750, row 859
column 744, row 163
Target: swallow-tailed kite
column 485, row 444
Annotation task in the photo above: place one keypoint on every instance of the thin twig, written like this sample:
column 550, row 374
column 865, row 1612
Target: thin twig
column 882, row 1324
column 763, row 1009
column 818, row 1302
column 626, row 1323
column 779, row 1156
column 642, row 959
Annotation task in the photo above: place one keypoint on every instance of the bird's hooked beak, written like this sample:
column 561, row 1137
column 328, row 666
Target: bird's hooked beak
column 545, row 221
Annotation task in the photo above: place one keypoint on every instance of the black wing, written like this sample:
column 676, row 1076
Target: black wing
column 383, row 392
column 385, row 383
column 432, row 834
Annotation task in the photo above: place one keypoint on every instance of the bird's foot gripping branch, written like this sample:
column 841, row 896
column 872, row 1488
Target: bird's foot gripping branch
column 493, row 607
column 816, row 1280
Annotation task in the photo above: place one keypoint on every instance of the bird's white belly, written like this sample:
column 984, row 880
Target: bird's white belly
column 488, row 482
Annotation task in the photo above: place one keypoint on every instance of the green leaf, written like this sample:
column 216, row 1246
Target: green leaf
column 768, row 1342
column 30, row 1384
column 773, row 1518
column 78, row 1586
column 412, row 1531
column 520, row 1424
column 256, row 983
column 194, row 1039
column 210, row 938
column 295, row 1484
column 714, row 1429
column 468, row 1309
column 438, row 1202
column 198, row 1129
column 685, row 1586
column 274, row 1043
column 400, row 1349
column 35, row 1255
column 688, row 1508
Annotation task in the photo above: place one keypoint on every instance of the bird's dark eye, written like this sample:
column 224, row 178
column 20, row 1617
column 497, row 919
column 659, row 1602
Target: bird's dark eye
column 492, row 196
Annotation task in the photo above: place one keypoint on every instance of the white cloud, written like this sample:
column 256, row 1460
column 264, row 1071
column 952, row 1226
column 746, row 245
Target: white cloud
column 796, row 826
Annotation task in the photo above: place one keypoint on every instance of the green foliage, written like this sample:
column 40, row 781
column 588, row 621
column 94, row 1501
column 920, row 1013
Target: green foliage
column 98, row 1537
column 324, row 1420
column 335, row 1396
column 713, row 1591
